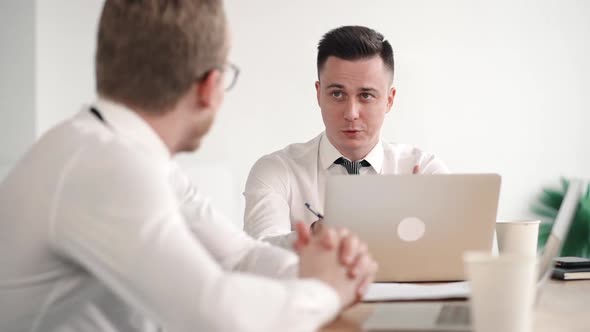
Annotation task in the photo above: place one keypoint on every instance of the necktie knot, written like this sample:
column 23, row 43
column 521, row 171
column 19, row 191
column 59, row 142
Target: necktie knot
column 352, row 167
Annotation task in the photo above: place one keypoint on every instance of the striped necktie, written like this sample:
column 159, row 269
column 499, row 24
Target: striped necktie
column 353, row 167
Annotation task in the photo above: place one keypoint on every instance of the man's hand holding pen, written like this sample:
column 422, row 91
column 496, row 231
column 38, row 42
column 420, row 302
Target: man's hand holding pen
column 316, row 225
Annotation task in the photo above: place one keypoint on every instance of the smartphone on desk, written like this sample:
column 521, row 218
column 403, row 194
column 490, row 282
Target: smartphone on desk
column 570, row 262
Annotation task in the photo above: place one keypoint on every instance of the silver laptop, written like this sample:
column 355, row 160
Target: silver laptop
column 416, row 226
column 455, row 316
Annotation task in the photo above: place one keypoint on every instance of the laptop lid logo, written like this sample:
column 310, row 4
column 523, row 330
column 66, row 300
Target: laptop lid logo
column 411, row 229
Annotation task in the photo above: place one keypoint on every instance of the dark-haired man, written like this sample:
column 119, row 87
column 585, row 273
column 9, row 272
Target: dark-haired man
column 354, row 91
column 101, row 232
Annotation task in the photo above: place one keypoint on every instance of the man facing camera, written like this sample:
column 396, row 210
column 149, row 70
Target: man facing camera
column 354, row 91
column 100, row 231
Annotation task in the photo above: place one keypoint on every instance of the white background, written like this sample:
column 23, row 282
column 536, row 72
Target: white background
column 489, row 86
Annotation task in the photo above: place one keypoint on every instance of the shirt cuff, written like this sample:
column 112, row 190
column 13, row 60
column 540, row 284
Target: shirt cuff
column 284, row 241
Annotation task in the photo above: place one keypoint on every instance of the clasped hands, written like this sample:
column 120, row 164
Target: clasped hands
column 337, row 257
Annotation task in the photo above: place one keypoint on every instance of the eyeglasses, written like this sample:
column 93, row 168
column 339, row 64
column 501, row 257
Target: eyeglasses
column 230, row 75
column 229, row 72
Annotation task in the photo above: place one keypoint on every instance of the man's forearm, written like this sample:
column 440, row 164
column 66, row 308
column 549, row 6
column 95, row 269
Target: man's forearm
column 284, row 241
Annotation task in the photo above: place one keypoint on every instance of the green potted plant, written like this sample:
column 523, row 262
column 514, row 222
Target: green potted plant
column 577, row 242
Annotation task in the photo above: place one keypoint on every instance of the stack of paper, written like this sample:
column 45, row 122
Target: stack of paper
column 405, row 291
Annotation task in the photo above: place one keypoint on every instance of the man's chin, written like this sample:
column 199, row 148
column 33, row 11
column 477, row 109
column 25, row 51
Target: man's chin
column 191, row 147
column 353, row 143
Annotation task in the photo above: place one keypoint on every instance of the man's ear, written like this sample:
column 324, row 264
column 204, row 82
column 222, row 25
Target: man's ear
column 207, row 88
column 317, row 91
column 390, row 97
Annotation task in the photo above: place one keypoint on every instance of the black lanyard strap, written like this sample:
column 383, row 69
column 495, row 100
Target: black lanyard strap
column 97, row 114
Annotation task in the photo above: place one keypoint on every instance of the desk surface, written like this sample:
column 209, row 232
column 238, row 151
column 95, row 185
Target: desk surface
column 564, row 307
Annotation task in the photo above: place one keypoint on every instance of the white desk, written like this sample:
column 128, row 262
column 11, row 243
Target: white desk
column 563, row 307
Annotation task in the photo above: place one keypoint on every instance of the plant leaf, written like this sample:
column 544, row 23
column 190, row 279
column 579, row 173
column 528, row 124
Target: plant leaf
column 577, row 240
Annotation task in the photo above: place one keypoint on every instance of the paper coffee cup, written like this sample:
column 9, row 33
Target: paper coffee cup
column 517, row 236
column 502, row 291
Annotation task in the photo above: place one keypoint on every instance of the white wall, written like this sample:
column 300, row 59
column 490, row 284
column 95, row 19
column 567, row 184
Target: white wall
column 488, row 86
column 66, row 42
column 17, row 88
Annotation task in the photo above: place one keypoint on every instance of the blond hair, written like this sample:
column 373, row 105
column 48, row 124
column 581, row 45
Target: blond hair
column 150, row 52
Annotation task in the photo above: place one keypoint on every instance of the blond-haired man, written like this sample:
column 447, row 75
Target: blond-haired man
column 102, row 232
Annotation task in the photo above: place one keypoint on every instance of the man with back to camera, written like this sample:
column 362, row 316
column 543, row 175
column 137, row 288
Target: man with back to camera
column 102, row 232
column 354, row 92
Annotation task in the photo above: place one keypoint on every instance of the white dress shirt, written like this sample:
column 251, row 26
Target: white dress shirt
column 281, row 183
column 100, row 231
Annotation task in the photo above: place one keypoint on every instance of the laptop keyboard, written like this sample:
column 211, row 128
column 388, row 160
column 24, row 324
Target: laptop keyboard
column 454, row 314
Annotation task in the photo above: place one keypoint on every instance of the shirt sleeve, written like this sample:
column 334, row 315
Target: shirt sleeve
column 118, row 218
column 267, row 213
column 430, row 164
column 231, row 247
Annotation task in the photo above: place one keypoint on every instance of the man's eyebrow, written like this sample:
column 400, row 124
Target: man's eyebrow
column 335, row 85
column 341, row 86
column 368, row 90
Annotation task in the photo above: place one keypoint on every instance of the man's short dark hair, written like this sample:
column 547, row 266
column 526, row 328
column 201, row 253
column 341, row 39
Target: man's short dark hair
column 354, row 43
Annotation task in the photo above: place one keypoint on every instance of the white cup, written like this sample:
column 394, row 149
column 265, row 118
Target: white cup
column 517, row 236
column 502, row 291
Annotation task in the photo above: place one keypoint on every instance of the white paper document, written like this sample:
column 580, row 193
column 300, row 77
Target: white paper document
column 403, row 291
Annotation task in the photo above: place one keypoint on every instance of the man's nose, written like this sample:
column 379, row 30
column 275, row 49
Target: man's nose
column 352, row 111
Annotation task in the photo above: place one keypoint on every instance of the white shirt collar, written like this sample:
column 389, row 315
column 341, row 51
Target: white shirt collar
column 328, row 154
column 130, row 125
column 376, row 156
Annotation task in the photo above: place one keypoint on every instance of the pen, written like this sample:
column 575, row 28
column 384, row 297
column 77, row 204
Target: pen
column 317, row 214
